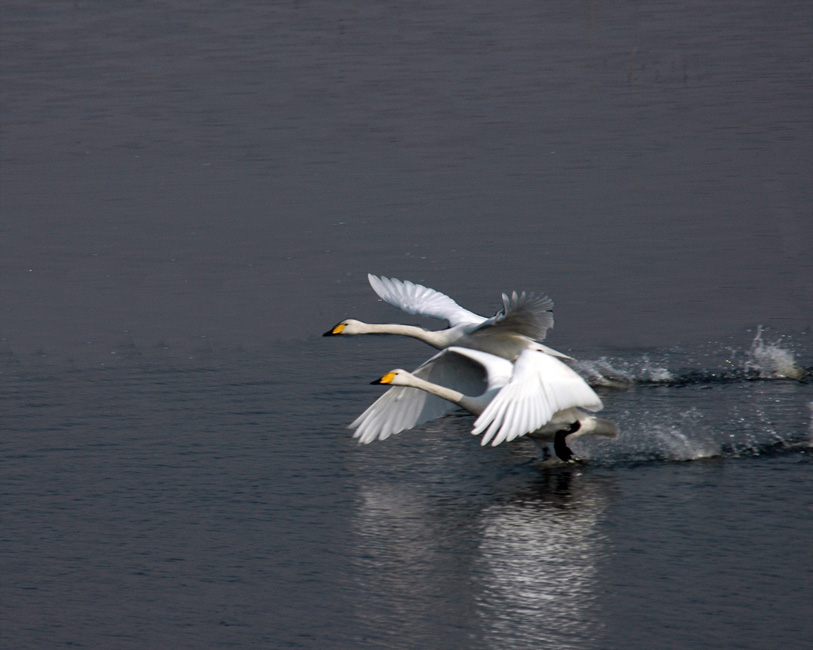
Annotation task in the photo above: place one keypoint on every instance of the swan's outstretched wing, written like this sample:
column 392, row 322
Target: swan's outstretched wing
column 403, row 407
column 418, row 299
column 526, row 314
column 540, row 386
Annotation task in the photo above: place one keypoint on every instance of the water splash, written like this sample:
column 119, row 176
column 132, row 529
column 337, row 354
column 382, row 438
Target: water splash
column 810, row 407
column 718, row 363
column 717, row 400
column 658, row 436
column 622, row 374
column 770, row 361
column 687, row 438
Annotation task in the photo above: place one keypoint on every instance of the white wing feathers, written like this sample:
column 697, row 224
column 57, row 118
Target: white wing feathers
column 418, row 299
column 404, row 407
column 401, row 407
column 540, row 386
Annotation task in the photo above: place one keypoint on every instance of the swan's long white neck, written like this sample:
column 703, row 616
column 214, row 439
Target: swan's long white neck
column 437, row 339
column 473, row 405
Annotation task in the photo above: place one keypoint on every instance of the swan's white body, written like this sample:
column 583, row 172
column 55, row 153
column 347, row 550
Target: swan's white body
column 523, row 321
column 537, row 395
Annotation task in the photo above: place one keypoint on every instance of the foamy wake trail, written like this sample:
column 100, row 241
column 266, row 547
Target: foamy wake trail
column 762, row 360
column 711, row 401
column 617, row 373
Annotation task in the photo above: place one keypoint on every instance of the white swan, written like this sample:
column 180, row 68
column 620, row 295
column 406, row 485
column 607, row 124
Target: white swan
column 523, row 321
column 548, row 408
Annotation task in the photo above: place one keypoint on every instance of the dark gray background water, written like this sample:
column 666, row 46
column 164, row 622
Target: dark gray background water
column 191, row 193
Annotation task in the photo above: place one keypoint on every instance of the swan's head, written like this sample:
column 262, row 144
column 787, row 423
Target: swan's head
column 394, row 378
column 347, row 327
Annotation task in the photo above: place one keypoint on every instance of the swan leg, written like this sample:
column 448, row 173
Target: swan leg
column 560, row 443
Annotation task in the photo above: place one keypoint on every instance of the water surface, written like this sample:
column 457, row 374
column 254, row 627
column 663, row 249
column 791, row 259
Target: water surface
column 191, row 193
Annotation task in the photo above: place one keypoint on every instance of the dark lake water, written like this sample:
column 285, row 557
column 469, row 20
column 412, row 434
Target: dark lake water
column 191, row 193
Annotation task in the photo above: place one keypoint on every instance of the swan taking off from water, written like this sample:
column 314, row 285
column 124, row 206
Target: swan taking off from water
column 523, row 321
column 544, row 398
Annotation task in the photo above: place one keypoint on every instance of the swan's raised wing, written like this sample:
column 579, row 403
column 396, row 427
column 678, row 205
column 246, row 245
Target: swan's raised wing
column 403, row 407
column 418, row 299
column 540, row 386
column 525, row 314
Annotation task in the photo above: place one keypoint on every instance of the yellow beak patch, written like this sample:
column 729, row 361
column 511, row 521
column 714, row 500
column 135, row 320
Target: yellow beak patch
column 387, row 379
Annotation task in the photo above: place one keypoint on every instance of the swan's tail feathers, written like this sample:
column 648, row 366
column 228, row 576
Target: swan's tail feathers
column 597, row 427
column 551, row 352
column 606, row 428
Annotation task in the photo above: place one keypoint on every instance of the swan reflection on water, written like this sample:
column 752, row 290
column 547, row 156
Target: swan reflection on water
column 537, row 565
column 502, row 571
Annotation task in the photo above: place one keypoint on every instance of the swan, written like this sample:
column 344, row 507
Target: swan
column 521, row 324
column 549, row 409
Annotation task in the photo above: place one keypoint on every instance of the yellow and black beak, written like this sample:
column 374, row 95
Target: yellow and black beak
column 386, row 379
column 336, row 330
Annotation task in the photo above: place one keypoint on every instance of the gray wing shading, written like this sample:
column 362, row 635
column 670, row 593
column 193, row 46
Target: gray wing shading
column 403, row 407
column 527, row 314
column 418, row 299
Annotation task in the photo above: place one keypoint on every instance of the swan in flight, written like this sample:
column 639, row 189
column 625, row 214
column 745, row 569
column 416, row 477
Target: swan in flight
column 523, row 321
column 539, row 396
